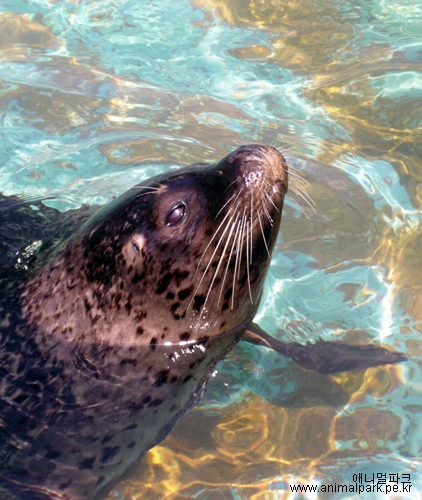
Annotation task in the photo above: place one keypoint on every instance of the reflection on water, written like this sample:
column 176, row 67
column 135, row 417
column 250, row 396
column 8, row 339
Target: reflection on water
column 97, row 95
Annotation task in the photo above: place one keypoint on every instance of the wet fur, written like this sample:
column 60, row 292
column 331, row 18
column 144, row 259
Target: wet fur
column 110, row 331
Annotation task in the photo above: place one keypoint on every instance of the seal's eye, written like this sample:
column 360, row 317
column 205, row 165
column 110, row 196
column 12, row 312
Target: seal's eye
column 176, row 214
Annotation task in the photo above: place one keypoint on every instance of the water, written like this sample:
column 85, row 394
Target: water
column 98, row 95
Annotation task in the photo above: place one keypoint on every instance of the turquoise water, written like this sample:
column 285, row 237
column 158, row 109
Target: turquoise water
column 96, row 96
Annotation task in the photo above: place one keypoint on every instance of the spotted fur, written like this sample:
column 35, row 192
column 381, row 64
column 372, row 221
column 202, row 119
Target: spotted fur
column 110, row 334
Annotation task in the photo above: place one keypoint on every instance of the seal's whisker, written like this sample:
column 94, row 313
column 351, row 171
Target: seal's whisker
column 220, row 260
column 248, row 243
column 179, row 160
column 299, row 181
column 295, row 173
column 237, row 223
column 242, row 240
column 227, row 202
column 151, row 191
column 265, row 204
column 265, row 207
column 305, row 194
column 299, row 187
column 300, row 207
column 284, row 149
column 251, row 219
column 292, row 168
column 272, row 203
column 272, row 184
column 212, row 256
column 305, row 197
column 273, row 187
column 156, row 186
column 210, row 242
column 263, row 235
column 238, row 253
column 230, row 185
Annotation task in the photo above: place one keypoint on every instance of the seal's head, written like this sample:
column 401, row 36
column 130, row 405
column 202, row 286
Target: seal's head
column 178, row 258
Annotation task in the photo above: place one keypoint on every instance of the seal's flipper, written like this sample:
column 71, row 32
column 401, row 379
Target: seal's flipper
column 325, row 357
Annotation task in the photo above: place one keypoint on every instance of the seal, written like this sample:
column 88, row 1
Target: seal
column 112, row 323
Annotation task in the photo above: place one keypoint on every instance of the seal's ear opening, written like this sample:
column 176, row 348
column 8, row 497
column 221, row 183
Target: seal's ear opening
column 135, row 245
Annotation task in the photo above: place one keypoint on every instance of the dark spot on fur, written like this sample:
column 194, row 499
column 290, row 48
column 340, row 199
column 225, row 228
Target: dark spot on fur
column 177, row 316
column 228, row 293
column 106, row 439
column 136, row 407
column 109, row 452
column 174, row 306
column 20, row 399
column 131, row 445
column 129, row 361
column 194, row 364
column 165, row 266
column 155, row 403
column 208, row 232
column 161, row 378
column 100, row 480
column 130, row 427
column 225, row 305
column 146, row 400
column 163, row 283
column 243, row 279
column 64, row 485
column 198, row 302
column 117, row 299
column 180, row 276
column 52, row 455
column 184, row 336
column 128, row 305
column 140, row 315
column 139, row 330
column 153, row 341
column 138, row 277
column 184, row 294
column 170, row 295
column 88, row 463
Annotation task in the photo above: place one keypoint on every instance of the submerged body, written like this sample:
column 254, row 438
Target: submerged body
column 110, row 334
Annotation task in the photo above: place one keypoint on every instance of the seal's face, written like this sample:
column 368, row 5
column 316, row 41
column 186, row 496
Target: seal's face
column 178, row 259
